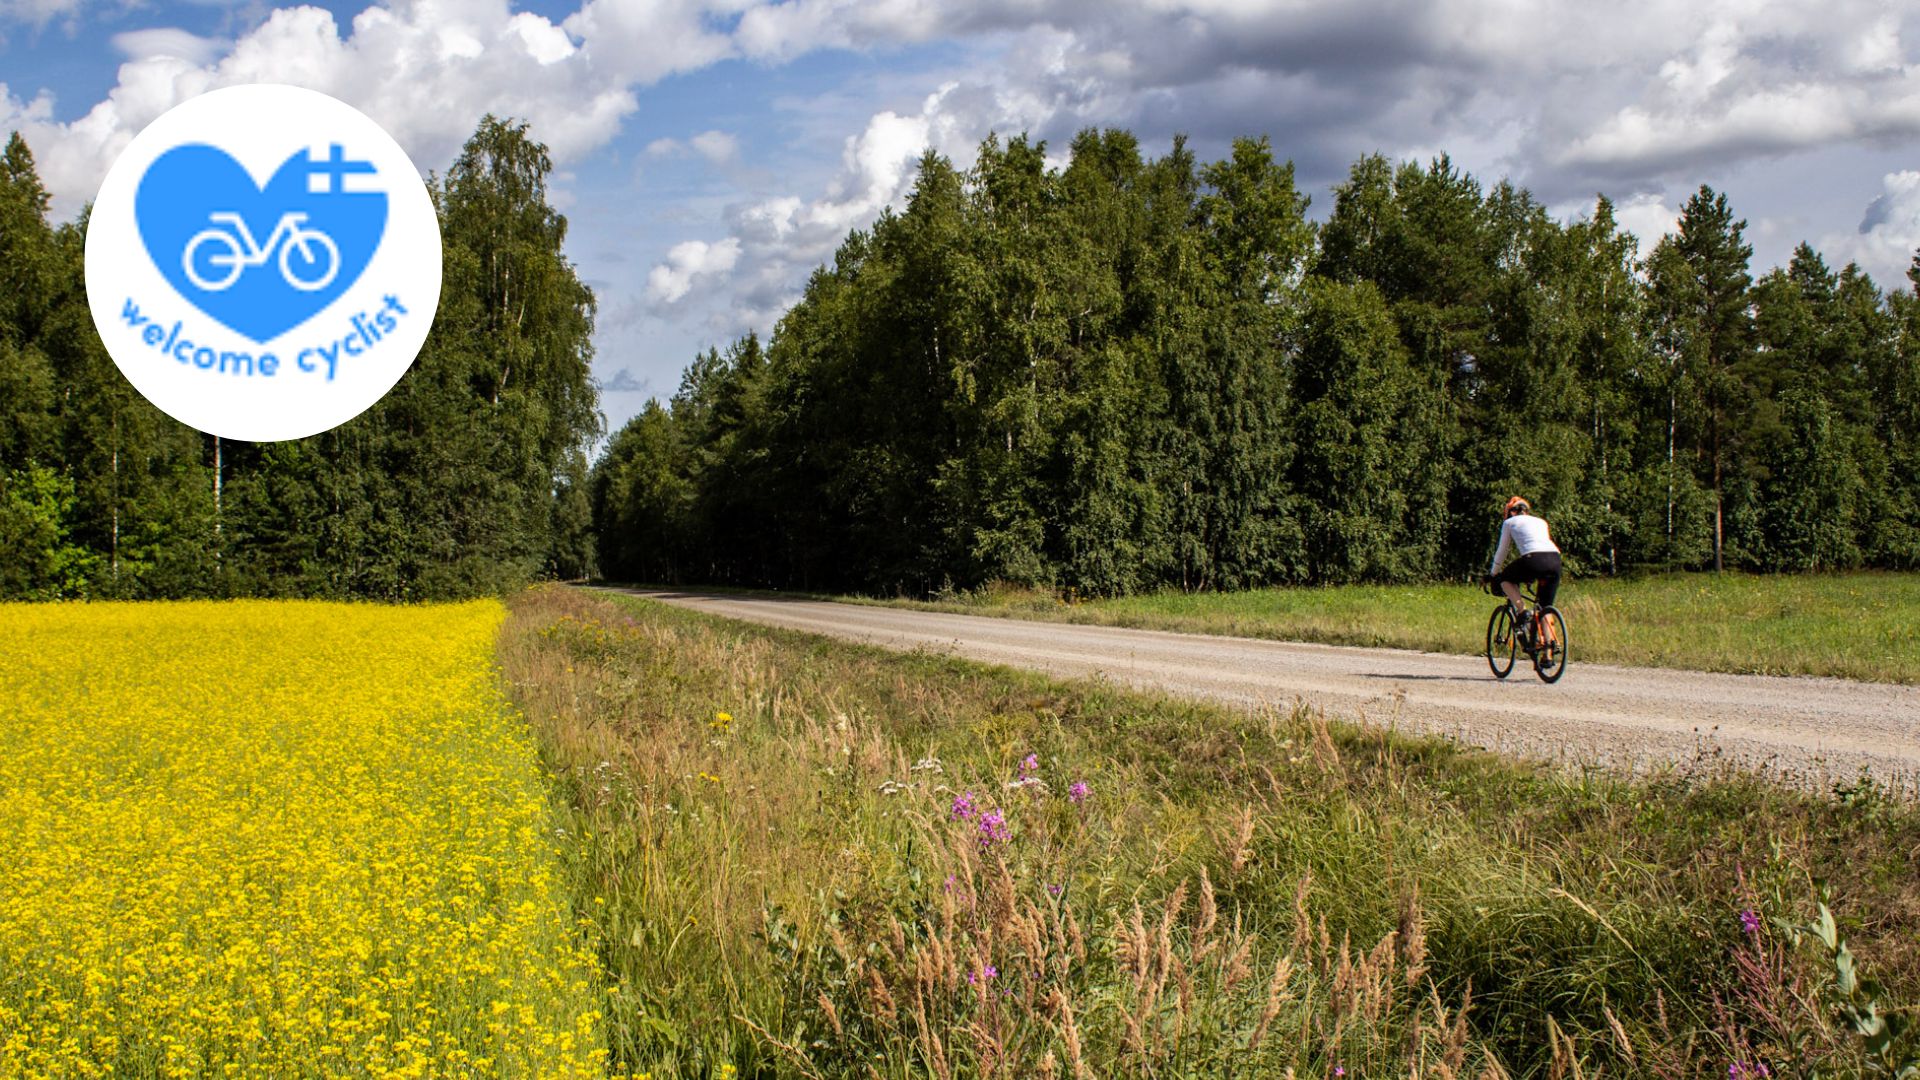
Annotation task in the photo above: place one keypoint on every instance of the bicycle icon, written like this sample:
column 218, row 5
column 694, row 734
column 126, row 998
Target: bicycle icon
column 234, row 249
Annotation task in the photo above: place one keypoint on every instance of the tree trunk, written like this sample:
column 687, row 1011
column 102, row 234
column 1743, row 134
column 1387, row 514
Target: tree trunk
column 114, row 558
column 216, row 498
column 1717, row 548
column 1670, row 410
column 1613, row 559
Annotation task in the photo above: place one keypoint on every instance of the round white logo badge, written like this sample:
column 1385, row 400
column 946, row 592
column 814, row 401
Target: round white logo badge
column 263, row 262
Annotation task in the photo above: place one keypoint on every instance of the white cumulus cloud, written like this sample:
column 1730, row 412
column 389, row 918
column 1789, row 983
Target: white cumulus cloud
column 1888, row 236
column 780, row 239
column 644, row 41
column 168, row 42
column 688, row 263
column 425, row 69
column 717, row 147
column 1647, row 216
column 1757, row 79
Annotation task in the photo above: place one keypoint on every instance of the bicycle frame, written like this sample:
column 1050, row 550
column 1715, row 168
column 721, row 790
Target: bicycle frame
column 254, row 253
column 236, row 249
column 1543, row 653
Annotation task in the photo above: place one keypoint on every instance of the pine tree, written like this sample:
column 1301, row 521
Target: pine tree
column 28, row 267
column 1700, row 295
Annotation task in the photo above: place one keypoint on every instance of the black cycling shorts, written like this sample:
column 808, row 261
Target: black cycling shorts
column 1541, row 566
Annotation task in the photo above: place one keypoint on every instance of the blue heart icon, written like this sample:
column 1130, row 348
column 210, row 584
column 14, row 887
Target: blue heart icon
column 259, row 260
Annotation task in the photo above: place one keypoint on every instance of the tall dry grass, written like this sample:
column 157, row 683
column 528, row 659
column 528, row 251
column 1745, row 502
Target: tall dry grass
column 809, row 859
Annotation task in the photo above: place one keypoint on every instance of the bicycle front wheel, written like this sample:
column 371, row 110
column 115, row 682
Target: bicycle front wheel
column 1502, row 642
column 1550, row 659
column 303, row 267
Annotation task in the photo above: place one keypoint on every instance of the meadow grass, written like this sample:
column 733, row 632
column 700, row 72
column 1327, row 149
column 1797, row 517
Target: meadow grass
column 806, row 858
column 1854, row 626
column 277, row 839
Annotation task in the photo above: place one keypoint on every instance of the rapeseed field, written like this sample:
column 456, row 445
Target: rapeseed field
column 277, row 839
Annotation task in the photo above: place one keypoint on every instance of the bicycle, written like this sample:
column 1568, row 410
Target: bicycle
column 1544, row 641
column 235, row 250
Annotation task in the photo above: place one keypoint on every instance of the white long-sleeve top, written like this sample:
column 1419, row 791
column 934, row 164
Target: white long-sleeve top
column 1525, row 534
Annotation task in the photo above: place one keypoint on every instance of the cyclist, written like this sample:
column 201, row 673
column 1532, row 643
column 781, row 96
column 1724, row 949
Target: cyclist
column 1535, row 558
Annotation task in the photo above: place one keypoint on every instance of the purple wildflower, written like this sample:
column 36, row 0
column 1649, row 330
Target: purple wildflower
column 1750, row 921
column 1029, row 766
column 963, row 808
column 1079, row 791
column 1339, row 1070
column 992, row 972
column 1056, row 889
column 993, row 829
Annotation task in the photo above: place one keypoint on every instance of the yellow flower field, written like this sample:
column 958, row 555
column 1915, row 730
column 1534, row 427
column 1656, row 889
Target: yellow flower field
column 277, row 839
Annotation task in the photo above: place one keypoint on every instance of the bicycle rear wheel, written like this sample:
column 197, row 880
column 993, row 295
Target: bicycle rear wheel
column 1501, row 642
column 1550, row 659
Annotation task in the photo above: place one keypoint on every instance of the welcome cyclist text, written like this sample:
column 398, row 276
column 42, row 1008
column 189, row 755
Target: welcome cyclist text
column 365, row 330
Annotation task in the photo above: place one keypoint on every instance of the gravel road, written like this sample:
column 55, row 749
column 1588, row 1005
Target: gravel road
column 1813, row 732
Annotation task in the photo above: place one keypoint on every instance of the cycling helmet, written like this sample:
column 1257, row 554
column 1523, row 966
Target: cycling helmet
column 1518, row 505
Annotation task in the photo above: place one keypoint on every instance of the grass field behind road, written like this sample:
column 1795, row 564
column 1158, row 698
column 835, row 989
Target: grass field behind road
column 1854, row 626
column 807, row 858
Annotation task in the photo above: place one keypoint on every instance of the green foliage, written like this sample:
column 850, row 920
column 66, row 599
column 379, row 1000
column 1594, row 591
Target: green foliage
column 468, row 477
column 1120, row 376
column 1370, row 504
column 42, row 563
column 1815, row 490
column 1862, row 1005
column 1127, row 375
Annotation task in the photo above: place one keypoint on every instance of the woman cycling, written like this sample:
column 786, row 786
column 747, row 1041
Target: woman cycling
column 1535, row 558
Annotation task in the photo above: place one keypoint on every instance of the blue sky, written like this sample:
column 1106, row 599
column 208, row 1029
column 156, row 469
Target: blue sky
column 710, row 153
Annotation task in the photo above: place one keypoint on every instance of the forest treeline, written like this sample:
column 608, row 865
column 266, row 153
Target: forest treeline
column 467, row 477
column 1128, row 374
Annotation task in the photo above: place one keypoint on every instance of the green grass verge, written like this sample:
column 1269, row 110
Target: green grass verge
column 1854, row 626
column 810, row 885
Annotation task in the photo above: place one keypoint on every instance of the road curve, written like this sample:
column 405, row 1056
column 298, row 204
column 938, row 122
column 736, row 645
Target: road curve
column 1813, row 732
